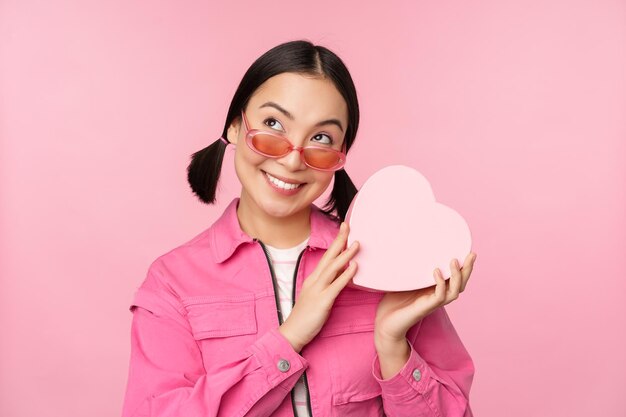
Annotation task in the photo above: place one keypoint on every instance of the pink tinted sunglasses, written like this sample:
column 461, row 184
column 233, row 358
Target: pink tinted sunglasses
column 274, row 145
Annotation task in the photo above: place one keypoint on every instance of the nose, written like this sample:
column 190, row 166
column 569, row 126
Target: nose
column 292, row 161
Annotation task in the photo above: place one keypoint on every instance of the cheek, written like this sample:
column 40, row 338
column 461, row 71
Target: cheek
column 324, row 178
column 245, row 166
column 246, row 159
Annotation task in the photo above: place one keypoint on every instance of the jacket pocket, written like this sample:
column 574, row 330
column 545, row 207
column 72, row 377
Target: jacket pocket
column 221, row 316
column 348, row 334
column 354, row 311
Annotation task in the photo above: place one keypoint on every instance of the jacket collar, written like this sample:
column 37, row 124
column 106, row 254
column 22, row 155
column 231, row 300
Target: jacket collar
column 225, row 235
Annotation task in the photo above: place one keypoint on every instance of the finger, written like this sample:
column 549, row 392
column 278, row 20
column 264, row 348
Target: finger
column 337, row 265
column 336, row 246
column 342, row 280
column 466, row 271
column 436, row 299
column 439, row 296
column 455, row 280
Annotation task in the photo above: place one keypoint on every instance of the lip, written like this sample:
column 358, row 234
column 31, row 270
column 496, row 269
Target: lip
column 283, row 179
column 280, row 190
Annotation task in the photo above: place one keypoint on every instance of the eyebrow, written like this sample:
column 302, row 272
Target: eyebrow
column 290, row 116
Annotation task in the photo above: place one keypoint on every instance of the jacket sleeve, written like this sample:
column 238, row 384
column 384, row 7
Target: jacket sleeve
column 167, row 377
column 436, row 379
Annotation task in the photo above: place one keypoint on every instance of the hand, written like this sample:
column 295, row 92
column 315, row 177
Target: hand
column 399, row 311
column 319, row 291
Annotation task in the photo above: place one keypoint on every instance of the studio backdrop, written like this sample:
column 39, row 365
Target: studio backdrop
column 514, row 110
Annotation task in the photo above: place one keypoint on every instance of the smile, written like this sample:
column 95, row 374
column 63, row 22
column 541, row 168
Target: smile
column 282, row 184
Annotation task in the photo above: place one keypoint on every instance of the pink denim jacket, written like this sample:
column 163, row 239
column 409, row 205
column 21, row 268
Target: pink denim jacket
column 205, row 341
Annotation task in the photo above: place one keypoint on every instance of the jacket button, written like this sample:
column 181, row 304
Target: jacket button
column 417, row 375
column 283, row 365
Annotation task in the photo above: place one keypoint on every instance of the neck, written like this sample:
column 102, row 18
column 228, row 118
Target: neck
column 279, row 232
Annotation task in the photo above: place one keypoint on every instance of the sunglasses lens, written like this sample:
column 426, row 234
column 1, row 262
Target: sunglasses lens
column 322, row 158
column 270, row 145
column 276, row 147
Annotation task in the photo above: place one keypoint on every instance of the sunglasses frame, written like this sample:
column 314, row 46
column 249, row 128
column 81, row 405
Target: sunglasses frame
column 250, row 133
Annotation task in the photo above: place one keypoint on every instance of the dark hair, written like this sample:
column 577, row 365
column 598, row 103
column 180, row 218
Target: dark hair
column 299, row 56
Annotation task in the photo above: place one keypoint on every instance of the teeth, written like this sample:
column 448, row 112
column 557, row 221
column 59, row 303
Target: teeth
column 282, row 184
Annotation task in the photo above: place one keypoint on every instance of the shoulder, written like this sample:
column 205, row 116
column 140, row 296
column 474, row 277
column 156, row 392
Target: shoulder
column 165, row 272
column 197, row 253
column 190, row 251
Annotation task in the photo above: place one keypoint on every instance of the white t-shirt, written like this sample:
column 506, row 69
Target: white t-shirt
column 284, row 265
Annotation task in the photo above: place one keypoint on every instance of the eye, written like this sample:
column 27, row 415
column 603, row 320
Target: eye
column 325, row 139
column 271, row 122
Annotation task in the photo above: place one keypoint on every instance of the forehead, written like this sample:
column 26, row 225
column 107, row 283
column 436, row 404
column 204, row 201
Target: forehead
column 308, row 98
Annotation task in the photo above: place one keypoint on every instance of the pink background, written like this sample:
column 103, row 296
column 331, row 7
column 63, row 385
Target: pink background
column 515, row 111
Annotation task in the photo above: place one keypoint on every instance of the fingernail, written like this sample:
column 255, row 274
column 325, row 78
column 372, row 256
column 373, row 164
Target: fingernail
column 456, row 263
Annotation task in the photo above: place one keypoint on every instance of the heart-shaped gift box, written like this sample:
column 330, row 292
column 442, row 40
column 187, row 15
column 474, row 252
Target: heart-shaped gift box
column 403, row 232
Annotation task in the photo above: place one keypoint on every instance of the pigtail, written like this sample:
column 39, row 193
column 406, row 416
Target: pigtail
column 204, row 170
column 341, row 196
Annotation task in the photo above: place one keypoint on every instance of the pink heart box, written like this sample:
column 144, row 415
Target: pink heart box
column 403, row 232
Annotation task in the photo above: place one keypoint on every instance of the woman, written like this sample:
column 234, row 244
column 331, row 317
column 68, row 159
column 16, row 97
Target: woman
column 253, row 316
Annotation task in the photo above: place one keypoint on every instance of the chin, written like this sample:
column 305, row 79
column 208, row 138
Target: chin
column 276, row 209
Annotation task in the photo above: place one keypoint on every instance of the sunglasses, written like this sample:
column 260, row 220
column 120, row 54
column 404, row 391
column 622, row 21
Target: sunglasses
column 274, row 145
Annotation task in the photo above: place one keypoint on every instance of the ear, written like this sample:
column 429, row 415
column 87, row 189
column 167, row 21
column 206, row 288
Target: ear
column 232, row 134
